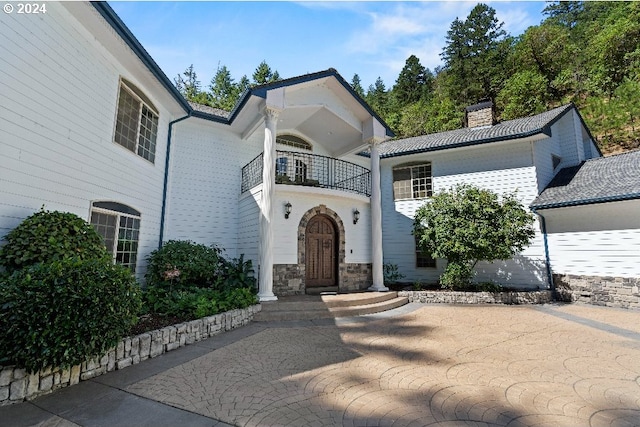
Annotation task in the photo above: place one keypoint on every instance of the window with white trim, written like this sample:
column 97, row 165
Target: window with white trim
column 119, row 226
column 136, row 122
column 412, row 181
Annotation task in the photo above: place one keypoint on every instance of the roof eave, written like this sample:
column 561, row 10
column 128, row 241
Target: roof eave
column 592, row 201
column 121, row 29
column 545, row 131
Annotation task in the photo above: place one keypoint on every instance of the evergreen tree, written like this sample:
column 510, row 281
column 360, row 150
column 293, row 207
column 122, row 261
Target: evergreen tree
column 263, row 74
column 377, row 97
column 411, row 84
column 188, row 83
column 357, row 85
column 476, row 56
column 224, row 93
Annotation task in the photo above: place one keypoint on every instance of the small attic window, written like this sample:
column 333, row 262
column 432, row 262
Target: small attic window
column 293, row 141
column 556, row 160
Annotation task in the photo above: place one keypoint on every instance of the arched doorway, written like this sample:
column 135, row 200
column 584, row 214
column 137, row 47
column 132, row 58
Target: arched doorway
column 321, row 254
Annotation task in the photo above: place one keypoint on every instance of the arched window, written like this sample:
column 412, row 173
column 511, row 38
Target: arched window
column 412, row 181
column 119, row 226
column 293, row 141
column 136, row 121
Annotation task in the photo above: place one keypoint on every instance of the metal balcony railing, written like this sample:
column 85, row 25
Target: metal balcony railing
column 294, row 168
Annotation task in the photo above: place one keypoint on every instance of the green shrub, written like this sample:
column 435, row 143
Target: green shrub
column 63, row 312
column 195, row 303
column 456, row 276
column 391, row 273
column 183, row 264
column 50, row 236
column 238, row 273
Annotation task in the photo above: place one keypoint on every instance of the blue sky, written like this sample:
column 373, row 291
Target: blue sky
column 368, row 38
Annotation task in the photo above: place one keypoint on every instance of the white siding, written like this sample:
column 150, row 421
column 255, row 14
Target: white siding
column 502, row 168
column 206, row 173
column 357, row 236
column 595, row 240
column 249, row 225
column 569, row 141
column 58, row 92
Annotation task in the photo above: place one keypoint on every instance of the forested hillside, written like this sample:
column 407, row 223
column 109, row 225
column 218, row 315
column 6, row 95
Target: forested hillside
column 587, row 53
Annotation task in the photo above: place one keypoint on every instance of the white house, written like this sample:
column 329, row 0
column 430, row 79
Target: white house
column 302, row 177
column 519, row 156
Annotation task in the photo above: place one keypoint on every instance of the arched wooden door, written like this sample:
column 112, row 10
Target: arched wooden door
column 321, row 253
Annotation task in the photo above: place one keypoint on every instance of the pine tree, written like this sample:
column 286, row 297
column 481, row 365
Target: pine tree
column 224, row 93
column 357, row 85
column 411, row 84
column 263, row 74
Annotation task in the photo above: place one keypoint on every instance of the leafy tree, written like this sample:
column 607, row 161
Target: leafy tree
column 357, row 85
column 616, row 48
column 524, row 94
column 263, row 74
column 436, row 114
column 547, row 50
column 468, row 224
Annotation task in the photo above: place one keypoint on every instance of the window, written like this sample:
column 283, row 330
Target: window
column 136, row 122
column 423, row 259
column 119, row 226
column 555, row 161
column 297, row 173
column 412, row 181
column 293, row 141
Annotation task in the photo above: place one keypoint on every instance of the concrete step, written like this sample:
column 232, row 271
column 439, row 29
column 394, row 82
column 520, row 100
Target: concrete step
column 308, row 307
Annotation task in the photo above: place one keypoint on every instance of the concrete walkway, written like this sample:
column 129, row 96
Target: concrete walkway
column 419, row 365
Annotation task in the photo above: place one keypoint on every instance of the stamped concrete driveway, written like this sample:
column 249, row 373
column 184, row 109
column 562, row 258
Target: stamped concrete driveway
column 422, row 365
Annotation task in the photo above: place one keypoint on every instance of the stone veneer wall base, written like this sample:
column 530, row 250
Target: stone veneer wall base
column 621, row 292
column 17, row 385
column 456, row 297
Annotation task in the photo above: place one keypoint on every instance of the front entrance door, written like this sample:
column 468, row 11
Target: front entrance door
column 321, row 253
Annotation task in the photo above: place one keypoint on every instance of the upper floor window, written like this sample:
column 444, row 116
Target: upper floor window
column 293, row 141
column 412, row 181
column 136, row 122
column 119, row 226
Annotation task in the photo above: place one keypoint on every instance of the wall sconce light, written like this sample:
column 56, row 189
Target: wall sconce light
column 287, row 210
column 356, row 216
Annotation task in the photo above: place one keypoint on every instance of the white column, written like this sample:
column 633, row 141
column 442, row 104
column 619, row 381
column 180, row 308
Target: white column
column 265, row 283
column 376, row 221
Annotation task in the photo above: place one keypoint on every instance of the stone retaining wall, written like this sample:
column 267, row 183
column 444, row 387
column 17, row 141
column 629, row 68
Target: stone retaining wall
column 454, row 297
column 608, row 291
column 17, row 385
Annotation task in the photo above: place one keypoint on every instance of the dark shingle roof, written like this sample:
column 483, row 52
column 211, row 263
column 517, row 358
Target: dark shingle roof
column 603, row 179
column 510, row 129
column 209, row 110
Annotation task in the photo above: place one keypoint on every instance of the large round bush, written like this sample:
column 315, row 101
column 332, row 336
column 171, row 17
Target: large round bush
column 62, row 312
column 182, row 264
column 48, row 236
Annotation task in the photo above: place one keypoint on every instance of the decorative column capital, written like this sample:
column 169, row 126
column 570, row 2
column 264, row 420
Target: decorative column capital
column 271, row 113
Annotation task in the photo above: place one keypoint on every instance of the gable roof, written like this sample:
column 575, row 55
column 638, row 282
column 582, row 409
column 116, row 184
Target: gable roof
column 206, row 112
column 510, row 129
column 599, row 180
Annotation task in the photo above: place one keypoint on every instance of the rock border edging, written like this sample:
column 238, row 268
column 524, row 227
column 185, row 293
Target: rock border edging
column 458, row 297
column 17, row 385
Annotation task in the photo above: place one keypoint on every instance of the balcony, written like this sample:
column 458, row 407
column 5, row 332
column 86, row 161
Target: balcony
column 293, row 168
